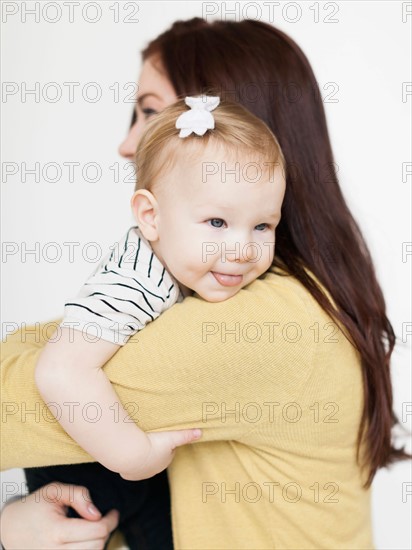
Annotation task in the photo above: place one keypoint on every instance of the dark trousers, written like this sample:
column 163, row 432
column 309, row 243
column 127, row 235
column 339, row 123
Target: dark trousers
column 144, row 506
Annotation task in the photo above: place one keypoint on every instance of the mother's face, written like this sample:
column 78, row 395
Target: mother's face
column 155, row 93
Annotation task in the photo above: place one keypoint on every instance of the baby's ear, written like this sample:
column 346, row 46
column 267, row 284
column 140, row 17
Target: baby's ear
column 146, row 209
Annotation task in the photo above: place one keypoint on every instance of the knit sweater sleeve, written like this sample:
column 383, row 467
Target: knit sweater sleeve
column 188, row 368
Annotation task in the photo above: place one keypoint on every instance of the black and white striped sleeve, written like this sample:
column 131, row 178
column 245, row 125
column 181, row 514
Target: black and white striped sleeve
column 129, row 288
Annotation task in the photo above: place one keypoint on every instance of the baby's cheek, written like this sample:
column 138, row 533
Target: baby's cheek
column 183, row 270
column 268, row 251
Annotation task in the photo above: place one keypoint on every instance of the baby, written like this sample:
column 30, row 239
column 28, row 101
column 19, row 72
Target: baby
column 206, row 204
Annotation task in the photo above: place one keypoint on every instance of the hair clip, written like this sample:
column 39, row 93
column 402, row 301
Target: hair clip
column 199, row 119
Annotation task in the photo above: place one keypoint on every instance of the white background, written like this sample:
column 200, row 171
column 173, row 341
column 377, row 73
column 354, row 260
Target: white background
column 365, row 54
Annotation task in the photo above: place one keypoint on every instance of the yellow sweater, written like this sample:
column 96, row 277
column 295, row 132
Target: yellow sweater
column 276, row 388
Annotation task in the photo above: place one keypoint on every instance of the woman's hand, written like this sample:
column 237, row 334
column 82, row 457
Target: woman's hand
column 39, row 521
column 161, row 450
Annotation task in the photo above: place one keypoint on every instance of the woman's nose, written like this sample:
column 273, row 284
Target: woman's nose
column 128, row 147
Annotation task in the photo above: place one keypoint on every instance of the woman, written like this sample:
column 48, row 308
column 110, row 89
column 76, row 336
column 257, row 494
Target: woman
column 294, row 428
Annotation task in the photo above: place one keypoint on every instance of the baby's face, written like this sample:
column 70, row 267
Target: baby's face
column 217, row 229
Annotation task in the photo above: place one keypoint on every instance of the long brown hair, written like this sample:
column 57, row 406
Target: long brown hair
column 263, row 69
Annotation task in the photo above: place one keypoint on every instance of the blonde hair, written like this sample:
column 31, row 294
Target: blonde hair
column 236, row 130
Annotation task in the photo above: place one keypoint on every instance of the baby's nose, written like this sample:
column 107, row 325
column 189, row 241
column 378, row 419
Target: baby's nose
column 241, row 250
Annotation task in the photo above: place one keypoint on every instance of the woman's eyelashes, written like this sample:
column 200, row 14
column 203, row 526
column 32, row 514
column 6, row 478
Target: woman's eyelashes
column 148, row 112
column 218, row 223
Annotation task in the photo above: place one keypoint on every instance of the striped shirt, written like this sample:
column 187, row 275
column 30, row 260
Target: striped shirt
column 129, row 288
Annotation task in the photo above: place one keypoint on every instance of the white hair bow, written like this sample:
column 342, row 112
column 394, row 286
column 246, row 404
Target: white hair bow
column 199, row 119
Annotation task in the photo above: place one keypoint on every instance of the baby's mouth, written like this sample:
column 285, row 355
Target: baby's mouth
column 227, row 280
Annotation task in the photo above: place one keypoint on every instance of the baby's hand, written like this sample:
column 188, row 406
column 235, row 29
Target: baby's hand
column 161, row 450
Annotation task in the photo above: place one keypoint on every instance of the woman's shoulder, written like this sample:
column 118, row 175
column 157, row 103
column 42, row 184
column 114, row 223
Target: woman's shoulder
column 275, row 303
column 289, row 292
column 274, row 294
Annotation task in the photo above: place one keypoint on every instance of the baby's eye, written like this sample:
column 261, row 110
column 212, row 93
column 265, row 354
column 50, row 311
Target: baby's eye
column 216, row 222
column 262, row 226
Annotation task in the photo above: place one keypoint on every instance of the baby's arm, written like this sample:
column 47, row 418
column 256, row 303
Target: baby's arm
column 128, row 290
column 69, row 373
